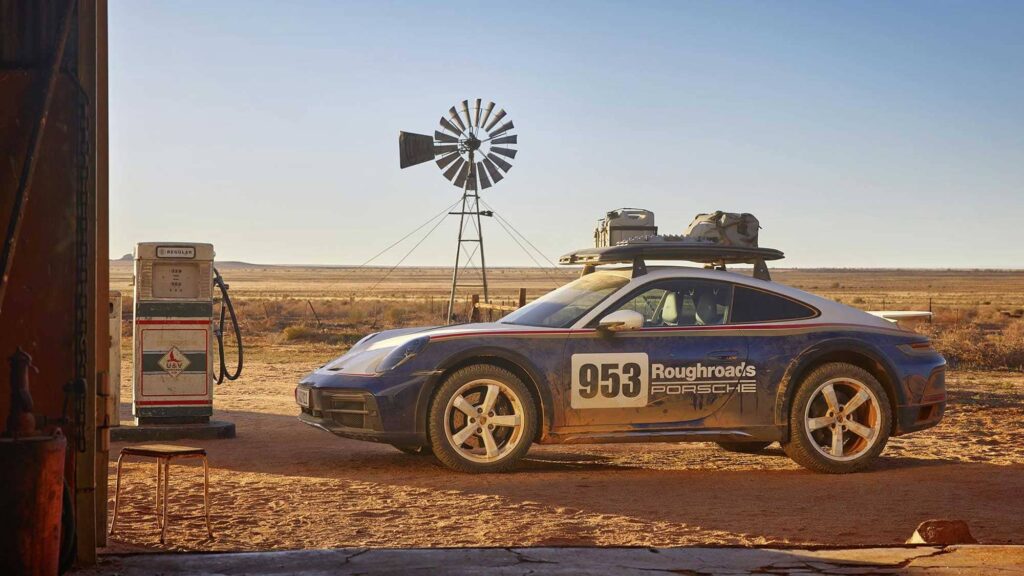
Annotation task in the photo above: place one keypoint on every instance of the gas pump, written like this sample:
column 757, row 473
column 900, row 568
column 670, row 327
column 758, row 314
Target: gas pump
column 173, row 332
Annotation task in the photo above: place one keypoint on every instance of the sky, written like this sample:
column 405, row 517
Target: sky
column 861, row 134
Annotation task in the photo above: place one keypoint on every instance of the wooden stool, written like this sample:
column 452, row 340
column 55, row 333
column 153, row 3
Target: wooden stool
column 163, row 453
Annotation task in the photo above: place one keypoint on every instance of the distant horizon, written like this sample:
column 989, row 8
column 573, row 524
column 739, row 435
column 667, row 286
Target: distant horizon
column 577, row 266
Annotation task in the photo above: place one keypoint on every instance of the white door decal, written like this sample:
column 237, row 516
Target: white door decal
column 609, row 380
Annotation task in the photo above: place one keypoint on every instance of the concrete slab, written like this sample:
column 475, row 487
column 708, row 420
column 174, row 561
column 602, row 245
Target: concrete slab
column 212, row 430
column 924, row 560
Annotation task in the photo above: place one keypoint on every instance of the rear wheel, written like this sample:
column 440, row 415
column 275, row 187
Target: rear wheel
column 839, row 420
column 744, row 447
column 482, row 419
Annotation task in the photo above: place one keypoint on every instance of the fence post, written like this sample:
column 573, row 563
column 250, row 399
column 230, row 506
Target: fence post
column 318, row 324
column 930, row 310
column 522, row 297
column 474, row 312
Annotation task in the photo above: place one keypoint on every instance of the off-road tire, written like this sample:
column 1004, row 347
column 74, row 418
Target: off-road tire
column 744, row 447
column 439, row 442
column 799, row 447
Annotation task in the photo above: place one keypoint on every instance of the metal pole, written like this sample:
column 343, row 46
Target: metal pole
column 480, row 237
column 458, row 245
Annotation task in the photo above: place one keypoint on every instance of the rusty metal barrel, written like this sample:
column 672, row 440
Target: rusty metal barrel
column 32, row 469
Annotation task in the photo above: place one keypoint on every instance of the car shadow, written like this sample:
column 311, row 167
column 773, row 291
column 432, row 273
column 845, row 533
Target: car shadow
column 705, row 490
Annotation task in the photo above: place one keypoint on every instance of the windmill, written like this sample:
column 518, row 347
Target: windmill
column 473, row 151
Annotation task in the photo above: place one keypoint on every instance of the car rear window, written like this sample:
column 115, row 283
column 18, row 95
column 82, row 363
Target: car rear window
column 749, row 305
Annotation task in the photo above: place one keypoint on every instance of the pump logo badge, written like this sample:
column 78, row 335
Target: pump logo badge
column 174, row 362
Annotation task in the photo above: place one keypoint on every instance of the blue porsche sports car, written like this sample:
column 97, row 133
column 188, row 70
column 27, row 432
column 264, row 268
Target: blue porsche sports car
column 671, row 354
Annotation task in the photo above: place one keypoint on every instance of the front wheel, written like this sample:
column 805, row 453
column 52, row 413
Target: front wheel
column 839, row 420
column 482, row 419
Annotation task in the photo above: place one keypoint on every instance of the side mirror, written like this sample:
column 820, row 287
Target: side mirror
column 621, row 321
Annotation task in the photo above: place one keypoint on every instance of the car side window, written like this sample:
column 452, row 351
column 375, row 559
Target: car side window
column 751, row 305
column 648, row 303
column 680, row 302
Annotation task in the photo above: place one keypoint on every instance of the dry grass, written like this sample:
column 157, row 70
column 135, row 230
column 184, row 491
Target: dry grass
column 971, row 345
column 974, row 324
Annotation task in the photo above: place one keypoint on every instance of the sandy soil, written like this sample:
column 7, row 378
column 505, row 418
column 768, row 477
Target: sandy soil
column 283, row 485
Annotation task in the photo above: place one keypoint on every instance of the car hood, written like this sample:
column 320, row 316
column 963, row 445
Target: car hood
column 392, row 338
column 364, row 357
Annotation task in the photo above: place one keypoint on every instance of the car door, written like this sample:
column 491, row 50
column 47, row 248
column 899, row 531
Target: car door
column 674, row 372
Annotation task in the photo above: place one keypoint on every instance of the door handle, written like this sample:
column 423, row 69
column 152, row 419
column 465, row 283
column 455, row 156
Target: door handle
column 723, row 356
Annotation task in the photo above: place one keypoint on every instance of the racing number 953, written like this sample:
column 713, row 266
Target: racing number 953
column 609, row 380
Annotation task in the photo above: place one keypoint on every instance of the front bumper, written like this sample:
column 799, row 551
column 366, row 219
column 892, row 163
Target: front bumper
column 353, row 410
column 928, row 401
column 920, row 417
column 376, row 409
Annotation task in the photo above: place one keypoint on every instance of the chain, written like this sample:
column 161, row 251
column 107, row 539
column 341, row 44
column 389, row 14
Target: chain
column 81, row 265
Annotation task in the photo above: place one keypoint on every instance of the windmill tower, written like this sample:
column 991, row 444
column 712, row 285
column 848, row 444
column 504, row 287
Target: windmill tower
column 473, row 151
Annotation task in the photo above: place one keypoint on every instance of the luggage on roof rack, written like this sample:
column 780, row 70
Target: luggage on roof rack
column 638, row 251
column 725, row 228
column 623, row 224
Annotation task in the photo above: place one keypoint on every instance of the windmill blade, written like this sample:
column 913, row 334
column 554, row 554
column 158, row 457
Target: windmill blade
column 447, row 138
column 503, row 151
column 454, row 115
column 447, row 125
column 487, row 113
column 477, row 108
column 465, row 112
column 503, row 128
column 446, row 148
column 460, row 180
column 414, row 149
column 497, row 118
column 454, row 168
column 484, row 182
column 493, row 171
column 446, row 160
column 513, row 139
column 505, row 166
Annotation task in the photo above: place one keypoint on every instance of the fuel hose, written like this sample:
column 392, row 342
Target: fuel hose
column 227, row 310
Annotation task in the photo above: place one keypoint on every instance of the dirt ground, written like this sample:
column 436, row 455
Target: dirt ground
column 284, row 485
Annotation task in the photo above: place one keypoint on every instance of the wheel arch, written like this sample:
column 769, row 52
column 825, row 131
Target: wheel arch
column 847, row 351
column 507, row 359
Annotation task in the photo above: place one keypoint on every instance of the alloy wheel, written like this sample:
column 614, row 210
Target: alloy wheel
column 484, row 420
column 842, row 419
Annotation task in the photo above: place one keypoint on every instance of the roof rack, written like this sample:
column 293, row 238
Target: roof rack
column 709, row 254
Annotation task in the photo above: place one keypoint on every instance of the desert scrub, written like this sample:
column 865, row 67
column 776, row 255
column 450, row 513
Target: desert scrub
column 968, row 345
column 305, row 333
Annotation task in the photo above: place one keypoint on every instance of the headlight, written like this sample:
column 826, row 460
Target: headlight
column 399, row 355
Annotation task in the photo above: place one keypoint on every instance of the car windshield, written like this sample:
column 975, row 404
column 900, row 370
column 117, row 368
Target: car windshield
column 562, row 307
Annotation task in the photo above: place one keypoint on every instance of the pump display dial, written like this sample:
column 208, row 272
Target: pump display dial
column 175, row 280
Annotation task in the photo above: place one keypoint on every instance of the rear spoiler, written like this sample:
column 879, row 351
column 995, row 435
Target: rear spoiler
column 895, row 316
